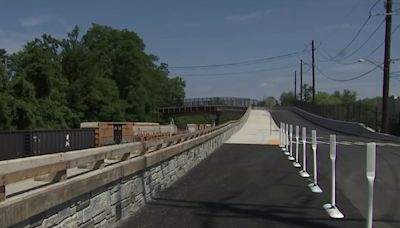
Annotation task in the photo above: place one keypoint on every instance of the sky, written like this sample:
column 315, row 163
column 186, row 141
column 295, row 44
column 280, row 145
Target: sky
column 187, row 33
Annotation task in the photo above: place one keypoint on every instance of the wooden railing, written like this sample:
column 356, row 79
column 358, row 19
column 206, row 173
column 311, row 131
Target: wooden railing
column 53, row 167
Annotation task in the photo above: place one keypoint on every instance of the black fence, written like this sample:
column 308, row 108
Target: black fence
column 370, row 115
column 223, row 101
column 17, row 144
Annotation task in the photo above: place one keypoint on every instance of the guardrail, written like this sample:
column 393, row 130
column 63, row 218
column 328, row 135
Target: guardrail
column 55, row 166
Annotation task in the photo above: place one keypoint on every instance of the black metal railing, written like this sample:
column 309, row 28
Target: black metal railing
column 225, row 101
column 368, row 114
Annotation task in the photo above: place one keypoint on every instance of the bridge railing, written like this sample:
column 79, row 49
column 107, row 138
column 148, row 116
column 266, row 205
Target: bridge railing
column 220, row 101
column 53, row 167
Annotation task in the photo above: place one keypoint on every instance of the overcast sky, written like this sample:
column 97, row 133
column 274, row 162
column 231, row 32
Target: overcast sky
column 209, row 32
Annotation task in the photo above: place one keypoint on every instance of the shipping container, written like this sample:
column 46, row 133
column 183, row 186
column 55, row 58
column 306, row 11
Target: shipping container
column 17, row 144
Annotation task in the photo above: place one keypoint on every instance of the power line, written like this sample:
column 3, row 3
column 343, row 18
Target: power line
column 366, row 41
column 348, row 79
column 240, row 63
column 337, row 60
column 357, row 33
column 241, row 72
column 329, row 59
column 373, row 6
column 342, row 80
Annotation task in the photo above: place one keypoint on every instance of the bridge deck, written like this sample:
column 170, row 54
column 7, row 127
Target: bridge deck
column 257, row 186
column 260, row 129
column 241, row 186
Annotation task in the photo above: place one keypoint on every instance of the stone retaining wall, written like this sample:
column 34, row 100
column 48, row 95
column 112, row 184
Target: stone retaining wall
column 107, row 205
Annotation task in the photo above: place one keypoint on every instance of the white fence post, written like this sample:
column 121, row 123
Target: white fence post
column 370, row 173
column 287, row 139
column 331, row 208
column 303, row 172
column 296, row 163
column 280, row 134
column 291, row 158
column 314, row 186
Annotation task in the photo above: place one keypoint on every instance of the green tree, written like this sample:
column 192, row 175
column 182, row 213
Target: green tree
column 287, row 98
column 104, row 75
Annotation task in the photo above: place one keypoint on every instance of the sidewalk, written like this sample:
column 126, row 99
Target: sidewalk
column 260, row 129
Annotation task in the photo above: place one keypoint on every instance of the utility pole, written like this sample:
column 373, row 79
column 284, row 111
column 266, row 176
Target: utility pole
column 313, row 73
column 301, row 80
column 295, row 87
column 386, row 67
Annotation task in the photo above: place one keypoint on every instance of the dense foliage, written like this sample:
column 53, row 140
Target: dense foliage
column 104, row 75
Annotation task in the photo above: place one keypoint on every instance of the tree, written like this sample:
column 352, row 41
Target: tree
column 307, row 93
column 268, row 102
column 349, row 97
column 104, row 75
column 287, row 98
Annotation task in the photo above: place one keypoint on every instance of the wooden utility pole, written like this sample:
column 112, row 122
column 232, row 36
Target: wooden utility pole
column 313, row 73
column 386, row 67
column 301, row 80
column 295, row 87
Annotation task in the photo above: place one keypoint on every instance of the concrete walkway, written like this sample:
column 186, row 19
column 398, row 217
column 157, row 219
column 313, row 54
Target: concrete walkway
column 260, row 129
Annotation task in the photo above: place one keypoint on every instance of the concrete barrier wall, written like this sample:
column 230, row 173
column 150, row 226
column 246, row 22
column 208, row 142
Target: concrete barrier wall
column 104, row 197
column 351, row 128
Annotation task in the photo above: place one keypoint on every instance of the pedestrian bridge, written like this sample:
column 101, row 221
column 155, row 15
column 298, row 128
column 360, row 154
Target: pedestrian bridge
column 246, row 173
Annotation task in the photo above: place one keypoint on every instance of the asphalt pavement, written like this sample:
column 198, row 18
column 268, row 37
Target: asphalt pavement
column 350, row 170
column 257, row 186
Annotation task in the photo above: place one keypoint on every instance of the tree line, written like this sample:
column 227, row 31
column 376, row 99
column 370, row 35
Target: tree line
column 345, row 97
column 102, row 75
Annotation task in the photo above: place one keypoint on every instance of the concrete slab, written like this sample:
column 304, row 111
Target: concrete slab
column 260, row 128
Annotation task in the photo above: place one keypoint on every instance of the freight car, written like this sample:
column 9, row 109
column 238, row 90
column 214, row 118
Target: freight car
column 16, row 144
column 107, row 133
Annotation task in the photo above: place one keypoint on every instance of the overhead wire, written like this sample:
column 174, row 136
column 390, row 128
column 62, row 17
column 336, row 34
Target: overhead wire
column 366, row 41
column 354, row 62
column 335, row 57
column 241, row 63
column 240, row 72
column 343, row 80
column 347, row 79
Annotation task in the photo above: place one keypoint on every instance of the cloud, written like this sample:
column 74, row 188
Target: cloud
column 247, row 16
column 34, row 21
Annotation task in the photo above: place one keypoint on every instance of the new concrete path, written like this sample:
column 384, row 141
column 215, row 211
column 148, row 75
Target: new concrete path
column 260, row 129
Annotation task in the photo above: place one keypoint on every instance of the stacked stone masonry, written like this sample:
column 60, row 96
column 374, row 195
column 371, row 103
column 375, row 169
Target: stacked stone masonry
column 109, row 205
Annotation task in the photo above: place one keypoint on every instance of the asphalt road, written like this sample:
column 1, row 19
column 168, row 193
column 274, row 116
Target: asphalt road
column 350, row 171
column 257, row 186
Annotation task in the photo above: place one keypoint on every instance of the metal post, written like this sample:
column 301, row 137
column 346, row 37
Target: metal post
column 331, row 208
column 314, row 186
column 303, row 172
column 370, row 173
